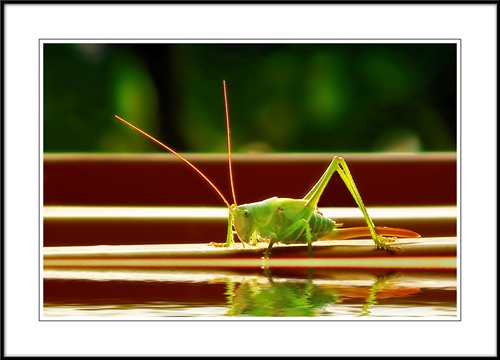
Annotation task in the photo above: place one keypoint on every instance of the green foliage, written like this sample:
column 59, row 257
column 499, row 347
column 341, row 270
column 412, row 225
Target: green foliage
column 282, row 97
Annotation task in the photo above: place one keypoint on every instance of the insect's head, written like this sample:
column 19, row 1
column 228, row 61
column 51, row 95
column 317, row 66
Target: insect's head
column 243, row 222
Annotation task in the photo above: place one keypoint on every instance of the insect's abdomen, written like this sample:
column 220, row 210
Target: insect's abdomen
column 320, row 226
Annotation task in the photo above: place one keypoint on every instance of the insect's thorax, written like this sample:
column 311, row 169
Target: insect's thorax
column 257, row 219
column 278, row 220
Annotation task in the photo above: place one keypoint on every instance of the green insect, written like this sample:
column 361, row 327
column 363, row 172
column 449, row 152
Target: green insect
column 291, row 221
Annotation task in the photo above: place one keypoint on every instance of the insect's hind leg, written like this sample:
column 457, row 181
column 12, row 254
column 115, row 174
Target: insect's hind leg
column 346, row 176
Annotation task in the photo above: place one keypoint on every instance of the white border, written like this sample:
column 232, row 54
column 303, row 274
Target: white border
column 475, row 25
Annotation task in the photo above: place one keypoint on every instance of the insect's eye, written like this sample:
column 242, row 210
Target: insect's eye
column 246, row 213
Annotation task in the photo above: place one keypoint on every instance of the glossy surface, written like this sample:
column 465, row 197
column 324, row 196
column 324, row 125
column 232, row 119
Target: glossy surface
column 249, row 293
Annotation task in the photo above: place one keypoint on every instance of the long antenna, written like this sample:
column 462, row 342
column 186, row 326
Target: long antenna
column 176, row 154
column 229, row 142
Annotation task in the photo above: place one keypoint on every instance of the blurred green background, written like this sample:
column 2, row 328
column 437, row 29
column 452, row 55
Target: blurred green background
column 327, row 98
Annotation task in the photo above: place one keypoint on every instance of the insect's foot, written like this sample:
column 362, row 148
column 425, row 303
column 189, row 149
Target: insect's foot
column 218, row 244
column 382, row 244
column 389, row 248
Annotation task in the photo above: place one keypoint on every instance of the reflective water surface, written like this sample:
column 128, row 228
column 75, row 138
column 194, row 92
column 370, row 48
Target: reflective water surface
column 170, row 294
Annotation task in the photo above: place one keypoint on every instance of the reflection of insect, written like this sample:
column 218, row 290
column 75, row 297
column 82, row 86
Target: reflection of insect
column 291, row 221
column 292, row 297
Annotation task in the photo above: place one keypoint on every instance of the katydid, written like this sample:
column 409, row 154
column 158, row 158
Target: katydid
column 287, row 220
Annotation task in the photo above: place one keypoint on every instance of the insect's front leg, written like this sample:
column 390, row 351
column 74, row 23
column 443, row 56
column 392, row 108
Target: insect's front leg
column 229, row 236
